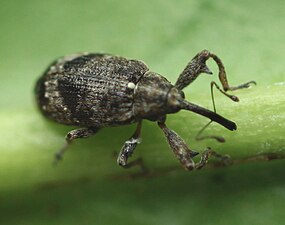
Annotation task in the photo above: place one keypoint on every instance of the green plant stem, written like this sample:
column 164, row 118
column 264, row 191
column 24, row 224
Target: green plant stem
column 29, row 142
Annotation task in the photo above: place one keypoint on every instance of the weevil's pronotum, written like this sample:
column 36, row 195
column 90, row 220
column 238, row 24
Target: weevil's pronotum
column 93, row 91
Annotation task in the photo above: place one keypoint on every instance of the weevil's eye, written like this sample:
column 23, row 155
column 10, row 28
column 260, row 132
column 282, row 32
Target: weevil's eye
column 174, row 99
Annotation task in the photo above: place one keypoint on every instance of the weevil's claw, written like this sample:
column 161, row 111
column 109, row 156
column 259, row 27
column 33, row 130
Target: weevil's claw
column 252, row 82
column 245, row 85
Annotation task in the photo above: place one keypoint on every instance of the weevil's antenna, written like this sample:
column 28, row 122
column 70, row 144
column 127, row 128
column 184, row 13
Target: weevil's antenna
column 209, row 114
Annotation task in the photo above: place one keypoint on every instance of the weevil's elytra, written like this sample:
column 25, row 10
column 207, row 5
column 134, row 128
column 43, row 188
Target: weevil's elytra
column 94, row 91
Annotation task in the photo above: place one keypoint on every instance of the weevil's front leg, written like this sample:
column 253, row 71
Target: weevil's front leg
column 223, row 76
column 129, row 147
column 179, row 147
column 232, row 97
column 196, row 66
column 75, row 134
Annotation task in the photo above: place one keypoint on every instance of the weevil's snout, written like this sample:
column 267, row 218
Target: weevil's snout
column 209, row 114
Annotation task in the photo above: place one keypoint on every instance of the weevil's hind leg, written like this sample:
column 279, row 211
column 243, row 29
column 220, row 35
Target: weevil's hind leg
column 128, row 149
column 72, row 135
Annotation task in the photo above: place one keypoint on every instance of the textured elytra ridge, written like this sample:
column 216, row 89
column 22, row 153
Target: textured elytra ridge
column 90, row 90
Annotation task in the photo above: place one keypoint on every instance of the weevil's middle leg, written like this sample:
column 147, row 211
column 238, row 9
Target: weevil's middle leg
column 129, row 147
column 179, row 147
column 225, row 159
column 186, row 155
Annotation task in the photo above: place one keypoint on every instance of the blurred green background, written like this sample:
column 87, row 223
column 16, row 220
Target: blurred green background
column 88, row 187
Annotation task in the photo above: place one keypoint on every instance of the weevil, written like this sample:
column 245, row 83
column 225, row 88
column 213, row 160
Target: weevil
column 93, row 91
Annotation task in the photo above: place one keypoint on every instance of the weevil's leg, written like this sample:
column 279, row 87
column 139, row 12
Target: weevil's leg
column 129, row 147
column 185, row 155
column 204, row 159
column 232, row 97
column 225, row 159
column 75, row 134
column 196, row 66
column 199, row 136
column 179, row 147
column 139, row 163
column 223, row 76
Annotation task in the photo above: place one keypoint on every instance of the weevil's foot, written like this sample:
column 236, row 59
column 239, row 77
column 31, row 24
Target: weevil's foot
column 122, row 161
column 57, row 158
column 224, row 160
column 138, row 162
column 204, row 158
column 143, row 170
column 245, row 85
column 234, row 98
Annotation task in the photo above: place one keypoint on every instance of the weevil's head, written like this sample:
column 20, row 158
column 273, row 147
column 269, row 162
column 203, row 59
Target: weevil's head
column 155, row 97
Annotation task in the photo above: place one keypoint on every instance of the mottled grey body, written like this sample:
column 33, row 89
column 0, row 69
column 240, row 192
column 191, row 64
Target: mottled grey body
column 93, row 91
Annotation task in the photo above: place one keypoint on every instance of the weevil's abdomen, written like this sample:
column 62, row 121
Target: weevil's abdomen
column 90, row 90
